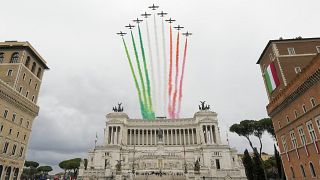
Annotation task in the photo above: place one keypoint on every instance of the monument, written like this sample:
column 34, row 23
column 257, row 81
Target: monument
column 185, row 148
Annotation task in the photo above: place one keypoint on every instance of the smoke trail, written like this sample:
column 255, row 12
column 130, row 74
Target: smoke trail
column 176, row 78
column 182, row 76
column 153, row 84
column 140, row 73
column 145, row 71
column 158, row 58
column 165, row 69
column 135, row 79
column 170, row 76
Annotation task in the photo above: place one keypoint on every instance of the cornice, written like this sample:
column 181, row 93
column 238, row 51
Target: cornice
column 298, row 86
column 7, row 93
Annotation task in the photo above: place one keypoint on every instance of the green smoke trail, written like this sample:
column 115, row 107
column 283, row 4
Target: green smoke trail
column 145, row 102
column 146, row 72
column 135, row 79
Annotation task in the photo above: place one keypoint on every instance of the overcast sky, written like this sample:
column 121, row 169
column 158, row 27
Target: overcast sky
column 89, row 73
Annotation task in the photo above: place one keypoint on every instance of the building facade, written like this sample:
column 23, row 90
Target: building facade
column 184, row 148
column 291, row 72
column 21, row 71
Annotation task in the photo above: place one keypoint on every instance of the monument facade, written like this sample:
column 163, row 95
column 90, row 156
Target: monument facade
column 186, row 148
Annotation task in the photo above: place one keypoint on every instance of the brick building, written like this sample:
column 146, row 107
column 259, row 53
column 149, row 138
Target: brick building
column 291, row 73
column 21, row 71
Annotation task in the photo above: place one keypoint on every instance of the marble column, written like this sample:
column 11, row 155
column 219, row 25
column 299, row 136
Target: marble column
column 112, row 135
column 211, row 133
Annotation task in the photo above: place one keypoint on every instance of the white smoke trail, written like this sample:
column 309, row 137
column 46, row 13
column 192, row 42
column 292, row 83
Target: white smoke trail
column 165, row 78
column 159, row 84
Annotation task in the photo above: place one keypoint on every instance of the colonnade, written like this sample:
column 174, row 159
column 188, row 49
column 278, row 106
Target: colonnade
column 186, row 136
column 209, row 133
column 114, row 135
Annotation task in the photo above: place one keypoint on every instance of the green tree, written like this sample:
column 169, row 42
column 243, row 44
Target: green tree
column 44, row 169
column 279, row 164
column 248, row 165
column 245, row 128
column 30, row 169
column 71, row 165
column 259, row 173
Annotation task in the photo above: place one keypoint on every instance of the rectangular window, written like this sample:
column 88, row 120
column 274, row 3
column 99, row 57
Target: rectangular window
column 295, row 113
column 218, row 164
column 318, row 122
column 313, row 102
column 311, row 131
column 284, row 142
column 304, row 108
column 20, row 89
column 10, row 131
column 36, row 86
column 5, row 114
column 27, row 94
column 30, row 80
column 287, row 117
column 32, row 98
column 291, row 51
column 302, row 135
column 318, row 49
column 24, row 76
column 293, row 139
column 10, row 72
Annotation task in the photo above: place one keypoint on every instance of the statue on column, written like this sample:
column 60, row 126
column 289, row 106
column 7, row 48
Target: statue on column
column 118, row 108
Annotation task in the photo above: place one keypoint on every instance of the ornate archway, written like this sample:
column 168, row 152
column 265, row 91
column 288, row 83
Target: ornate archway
column 8, row 173
column 15, row 173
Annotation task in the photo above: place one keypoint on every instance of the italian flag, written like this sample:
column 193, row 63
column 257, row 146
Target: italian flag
column 271, row 77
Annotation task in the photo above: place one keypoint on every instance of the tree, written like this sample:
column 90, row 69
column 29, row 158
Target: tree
column 44, row 170
column 248, row 165
column 30, row 170
column 259, row 173
column 279, row 164
column 268, row 126
column 71, row 164
column 245, row 128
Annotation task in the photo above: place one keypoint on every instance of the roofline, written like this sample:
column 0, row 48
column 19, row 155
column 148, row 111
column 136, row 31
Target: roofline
column 282, row 40
column 28, row 46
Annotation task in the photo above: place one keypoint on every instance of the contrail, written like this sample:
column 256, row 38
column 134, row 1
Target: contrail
column 176, row 78
column 170, row 76
column 140, row 73
column 165, row 69
column 153, row 84
column 158, row 59
column 145, row 71
column 182, row 76
column 135, row 79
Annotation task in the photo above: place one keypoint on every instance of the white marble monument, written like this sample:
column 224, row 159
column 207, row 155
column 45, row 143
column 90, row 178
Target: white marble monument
column 186, row 148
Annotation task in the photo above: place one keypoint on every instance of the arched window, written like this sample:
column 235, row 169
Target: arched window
column 304, row 108
column 8, row 173
column 14, row 57
column 302, row 171
column 33, row 67
column 15, row 174
column 313, row 172
column 39, row 72
column 27, row 63
column 295, row 113
column 1, row 57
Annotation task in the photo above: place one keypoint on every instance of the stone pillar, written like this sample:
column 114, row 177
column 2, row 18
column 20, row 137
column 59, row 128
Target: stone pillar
column 147, row 138
column 155, row 137
column 171, row 136
column 180, row 136
column 111, row 141
column 184, row 136
column 212, row 134
column 208, row 134
column 138, row 136
column 192, row 136
column 176, row 133
column 217, row 134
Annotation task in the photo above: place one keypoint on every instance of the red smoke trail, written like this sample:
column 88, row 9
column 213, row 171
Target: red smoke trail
column 182, row 76
column 176, row 79
column 170, row 76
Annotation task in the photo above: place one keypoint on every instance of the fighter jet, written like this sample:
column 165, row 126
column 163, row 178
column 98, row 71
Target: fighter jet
column 137, row 20
column 162, row 14
column 187, row 34
column 170, row 20
column 145, row 15
column 130, row 26
column 121, row 33
column 178, row 27
column 153, row 7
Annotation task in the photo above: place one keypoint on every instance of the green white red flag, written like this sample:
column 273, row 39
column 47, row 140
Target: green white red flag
column 271, row 77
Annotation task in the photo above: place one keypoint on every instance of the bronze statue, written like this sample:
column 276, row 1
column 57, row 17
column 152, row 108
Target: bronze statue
column 204, row 106
column 160, row 134
column 117, row 109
